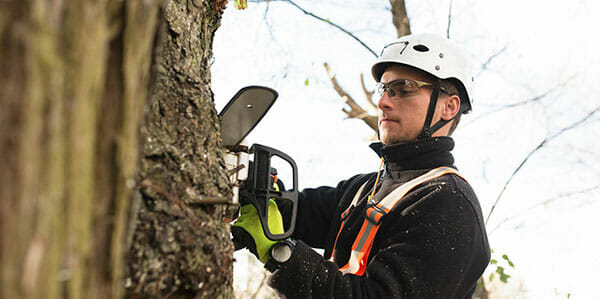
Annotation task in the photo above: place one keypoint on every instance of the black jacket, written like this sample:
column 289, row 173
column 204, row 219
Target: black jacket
column 433, row 245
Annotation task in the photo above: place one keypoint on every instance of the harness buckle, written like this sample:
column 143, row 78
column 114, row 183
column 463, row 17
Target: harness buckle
column 374, row 213
column 346, row 213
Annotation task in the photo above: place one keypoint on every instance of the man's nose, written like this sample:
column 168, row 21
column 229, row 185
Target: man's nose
column 385, row 102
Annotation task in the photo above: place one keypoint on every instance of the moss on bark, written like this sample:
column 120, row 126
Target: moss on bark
column 77, row 81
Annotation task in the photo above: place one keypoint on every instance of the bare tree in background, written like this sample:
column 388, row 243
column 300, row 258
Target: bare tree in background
column 369, row 115
column 112, row 172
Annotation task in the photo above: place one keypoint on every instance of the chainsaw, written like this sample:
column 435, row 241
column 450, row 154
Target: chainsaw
column 251, row 168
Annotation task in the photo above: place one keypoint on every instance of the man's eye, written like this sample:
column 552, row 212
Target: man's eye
column 402, row 91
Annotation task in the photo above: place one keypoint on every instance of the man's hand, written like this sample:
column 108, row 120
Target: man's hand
column 248, row 231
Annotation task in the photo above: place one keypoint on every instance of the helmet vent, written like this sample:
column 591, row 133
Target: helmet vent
column 421, row 48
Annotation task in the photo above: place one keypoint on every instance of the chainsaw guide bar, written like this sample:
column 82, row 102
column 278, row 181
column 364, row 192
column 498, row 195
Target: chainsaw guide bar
column 243, row 112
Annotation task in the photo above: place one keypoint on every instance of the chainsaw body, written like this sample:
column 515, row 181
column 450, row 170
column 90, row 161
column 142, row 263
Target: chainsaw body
column 253, row 168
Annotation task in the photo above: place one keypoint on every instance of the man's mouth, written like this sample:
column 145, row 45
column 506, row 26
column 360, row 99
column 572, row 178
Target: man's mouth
column 386, row 120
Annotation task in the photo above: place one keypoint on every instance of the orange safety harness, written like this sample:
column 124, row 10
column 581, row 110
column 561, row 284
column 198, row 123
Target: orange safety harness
column 374, row 213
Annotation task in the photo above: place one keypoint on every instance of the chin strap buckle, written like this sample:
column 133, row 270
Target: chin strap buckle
column 425, row 134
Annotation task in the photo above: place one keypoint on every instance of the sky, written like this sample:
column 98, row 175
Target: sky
column 545, row 220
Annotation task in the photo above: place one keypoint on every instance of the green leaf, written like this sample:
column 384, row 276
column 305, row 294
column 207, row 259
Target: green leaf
column 491, row 276
column 504, row 256
column 500, row 270
column 493, row 261
column 511, row 264
column 306, row 82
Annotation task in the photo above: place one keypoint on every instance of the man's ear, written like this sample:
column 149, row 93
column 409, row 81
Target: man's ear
column 451, row 106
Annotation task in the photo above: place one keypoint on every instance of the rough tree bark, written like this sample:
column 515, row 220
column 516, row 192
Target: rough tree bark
column 96, row 199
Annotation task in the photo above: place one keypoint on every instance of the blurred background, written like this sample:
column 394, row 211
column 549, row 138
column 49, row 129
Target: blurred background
column 529, row 148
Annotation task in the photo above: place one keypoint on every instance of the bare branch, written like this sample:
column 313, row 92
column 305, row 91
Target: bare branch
column 260, row 286
column 517, row 104
column 332, row 24
column 537, row 148
column 356, row 111
column 368, row 94
column 449, row 20
column 267, row 21
column 400, row 18
column 545, row 203
column 491, row 58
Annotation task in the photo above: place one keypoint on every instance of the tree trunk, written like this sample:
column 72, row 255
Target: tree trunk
column 400, row 18
column 96, row 199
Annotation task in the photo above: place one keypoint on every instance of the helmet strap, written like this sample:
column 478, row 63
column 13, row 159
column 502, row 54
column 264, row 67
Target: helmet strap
column 427, row 129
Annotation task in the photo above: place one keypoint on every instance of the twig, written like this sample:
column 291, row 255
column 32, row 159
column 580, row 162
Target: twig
column 368, row 94
column 491, row 58
column 213, row 200
column 236, row 169
column 543, row 203
column 449, row 20
column 537, row 148
column 332, row 24
column 521, row 103
column 262, row 283
column 267, row 21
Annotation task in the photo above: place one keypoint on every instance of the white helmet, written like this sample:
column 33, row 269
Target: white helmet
column 433, row 54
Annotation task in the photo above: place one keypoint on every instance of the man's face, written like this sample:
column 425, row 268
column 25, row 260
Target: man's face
column 401, row 118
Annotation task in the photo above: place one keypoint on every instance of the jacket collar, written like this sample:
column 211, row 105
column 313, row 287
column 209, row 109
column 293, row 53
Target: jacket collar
column 423, row 154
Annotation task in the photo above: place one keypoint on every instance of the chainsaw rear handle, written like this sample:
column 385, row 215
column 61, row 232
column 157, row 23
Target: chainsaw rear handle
column 263, row 188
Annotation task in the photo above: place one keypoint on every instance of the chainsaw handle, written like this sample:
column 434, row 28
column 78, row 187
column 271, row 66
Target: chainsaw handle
column 264, row 191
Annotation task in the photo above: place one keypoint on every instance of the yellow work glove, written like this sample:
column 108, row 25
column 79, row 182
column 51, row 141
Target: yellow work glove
column 247, row 230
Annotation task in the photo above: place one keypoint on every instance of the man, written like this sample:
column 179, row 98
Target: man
column 415, row 231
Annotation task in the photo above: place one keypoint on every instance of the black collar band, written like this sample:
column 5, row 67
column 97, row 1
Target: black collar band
column 421, row 154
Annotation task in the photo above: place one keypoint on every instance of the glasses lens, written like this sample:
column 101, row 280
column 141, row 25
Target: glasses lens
column 379, row 90
column 403, row 87
column 397, row 88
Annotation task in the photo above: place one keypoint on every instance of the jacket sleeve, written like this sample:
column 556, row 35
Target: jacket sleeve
column 434, row 247
column 317, row 207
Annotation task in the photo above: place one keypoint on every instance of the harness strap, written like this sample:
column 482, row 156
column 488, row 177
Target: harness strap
column 345, row 215
column 354, row 201
column 375, row 211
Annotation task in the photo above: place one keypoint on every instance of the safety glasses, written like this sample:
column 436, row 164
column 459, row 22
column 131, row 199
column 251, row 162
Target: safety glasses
column 401, row 88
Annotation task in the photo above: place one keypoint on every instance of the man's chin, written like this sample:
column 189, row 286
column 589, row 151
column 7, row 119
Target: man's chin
column 389, row 140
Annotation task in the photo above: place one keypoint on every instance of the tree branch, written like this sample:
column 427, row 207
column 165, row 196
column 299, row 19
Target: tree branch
column 267, row 21
column 491, row 58
column 260, row 286
column 537, row 148
column 400, row 18
column 545, row 202
column 368, row 94
column 517, row 104
column 449, row 20
column 332, row 24
column 356, row 111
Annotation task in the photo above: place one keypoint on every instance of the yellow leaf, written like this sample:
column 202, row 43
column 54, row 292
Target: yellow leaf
column 240, row 4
